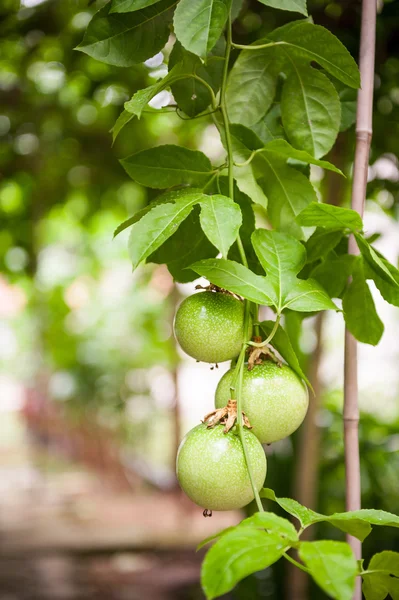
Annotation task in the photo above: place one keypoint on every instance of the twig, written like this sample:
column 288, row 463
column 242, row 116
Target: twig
column 363, row 141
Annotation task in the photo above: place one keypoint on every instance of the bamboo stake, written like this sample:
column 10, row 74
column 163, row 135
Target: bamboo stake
column 363, row 141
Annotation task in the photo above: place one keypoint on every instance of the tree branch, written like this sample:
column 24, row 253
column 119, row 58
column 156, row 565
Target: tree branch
column 363, row 141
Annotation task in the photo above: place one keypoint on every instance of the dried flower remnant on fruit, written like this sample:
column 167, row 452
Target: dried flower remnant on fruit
column 215, row 288
column 258, row 354
column 226, row 416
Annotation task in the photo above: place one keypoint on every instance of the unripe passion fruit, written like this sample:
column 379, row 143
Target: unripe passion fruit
column 274, row 399
column 211, row 467
column 209, row 326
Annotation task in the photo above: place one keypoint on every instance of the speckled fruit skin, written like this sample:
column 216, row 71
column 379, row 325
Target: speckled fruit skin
column 211, row 467
column 274, row 399
column 209, row 326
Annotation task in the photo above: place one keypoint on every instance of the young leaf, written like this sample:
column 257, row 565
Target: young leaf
column 310, row 110
column 305, row 516
column 220, row 221
column 360, row 315
column 287, row 190
column 159, row 224
column 377, row 586
column 125, row 40
column 187, row 245
column 125, row 6
column 285, row 150
column 374, row 261
column 330, row 217
column 332, row 565
column 333, row 273
column 321, row 242
column 191, row 95
column 235, row 556
column 167, row 166
column 199, row 24
column 292, row 5
column 307, row 42
column 236, row 278
column 251, row 85
column 389, row 292
column 281, row 342
column 283, row 257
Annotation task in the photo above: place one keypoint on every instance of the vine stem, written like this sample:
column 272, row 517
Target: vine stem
column 362, row 152
column 270, row 337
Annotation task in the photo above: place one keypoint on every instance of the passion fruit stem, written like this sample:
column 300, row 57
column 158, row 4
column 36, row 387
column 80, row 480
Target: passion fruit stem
column 270, row 337
column 226, row 416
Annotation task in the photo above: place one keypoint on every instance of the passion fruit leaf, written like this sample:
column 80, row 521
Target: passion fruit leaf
column 126, row 40
column 281, row 342
column 172, row 196
column 235, row 556
column 287, row 190
column 260, row 520
column 333, row 273
column 305, row 516
column 269, row 127
column 125, row 6
column 310, row 110
column 191, row 95
column 167, row 166
column 282, row 257
column 374, row 261
column 251, row 85
column 291, row 5
column 284, row 149
column 330, row 217
column 198, row 25
column 123, row 119
column 360, row 314
column 389, row 292
column 377, row 586
column 220, row 221
column 159, row 224
column 238, row 279
column 332, row 565
column 305, row 42
column 321, row 242
column 187, row 245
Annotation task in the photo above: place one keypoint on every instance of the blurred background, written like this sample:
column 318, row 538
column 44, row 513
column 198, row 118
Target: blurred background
column 94, row 395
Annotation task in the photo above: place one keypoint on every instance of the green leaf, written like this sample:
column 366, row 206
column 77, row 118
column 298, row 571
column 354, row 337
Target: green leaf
column 270, row 127
column 348, row 98
column 330, row 217
column 192, row 96
column 304, row 41
column 236, row 278
column 127, row 39
column 167, row 166
column 333, row 274
column 220, row 221
column 310, row 110
column 283, row 257
column 332, row 565
column 199, row 24
column 260, row 520
column 385, row 561
column 377, row 585
column 389, row 292
column 251, row 86
column 321, row 242
column 285, row 150
column 360, row 315
column 375, row 262
column 305, row 516
column 292, row 5
column 154, row 228
column 125, row 6
column 235, row 556
column 287, row 190
column 187, row 245
column 123, row 119
column 281, row 342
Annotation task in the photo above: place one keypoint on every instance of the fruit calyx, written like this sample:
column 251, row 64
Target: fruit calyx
column 215, row 288
column 226, row 416
column 256, row 355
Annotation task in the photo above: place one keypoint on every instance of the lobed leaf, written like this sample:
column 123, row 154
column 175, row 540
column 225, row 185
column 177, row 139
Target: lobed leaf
column 167, row 166
column 330, row 217
column 124, row 40
column 199, row 24
column 235, row 556
column 332, row 565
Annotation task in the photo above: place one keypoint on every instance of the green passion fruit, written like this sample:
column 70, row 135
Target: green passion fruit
column 209, row 326
column 273, row 397
column 211, row 467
